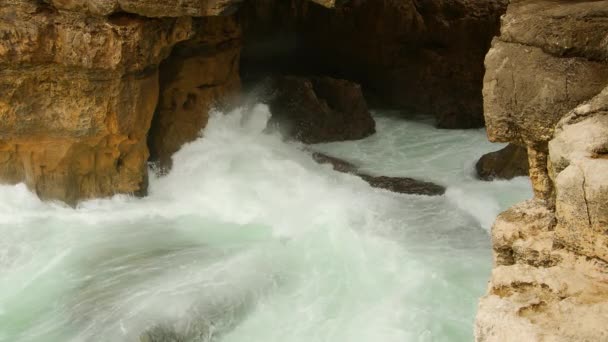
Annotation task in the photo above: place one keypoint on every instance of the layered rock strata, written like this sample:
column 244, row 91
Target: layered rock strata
column 546, row 87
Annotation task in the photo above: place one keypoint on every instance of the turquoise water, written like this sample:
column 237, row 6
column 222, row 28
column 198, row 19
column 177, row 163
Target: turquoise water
column 248, row 239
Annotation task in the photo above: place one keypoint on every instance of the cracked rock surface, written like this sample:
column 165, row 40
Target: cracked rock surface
column 546, row 87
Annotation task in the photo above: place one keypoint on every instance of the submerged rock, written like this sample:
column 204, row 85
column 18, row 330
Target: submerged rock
column 401, row 185
column 507, row 163
column 319, row 109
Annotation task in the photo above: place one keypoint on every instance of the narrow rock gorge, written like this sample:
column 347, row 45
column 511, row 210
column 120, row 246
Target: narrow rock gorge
column 243, row 232
column 546, row 88
column 87, row 83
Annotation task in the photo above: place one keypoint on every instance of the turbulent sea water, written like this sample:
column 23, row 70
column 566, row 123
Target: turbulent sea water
column 248, row 239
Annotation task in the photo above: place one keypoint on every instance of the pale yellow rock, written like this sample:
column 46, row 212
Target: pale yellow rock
column 546, row 87
column 579, row 153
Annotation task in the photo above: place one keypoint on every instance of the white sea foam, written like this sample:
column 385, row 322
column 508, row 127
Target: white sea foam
column 248, row 239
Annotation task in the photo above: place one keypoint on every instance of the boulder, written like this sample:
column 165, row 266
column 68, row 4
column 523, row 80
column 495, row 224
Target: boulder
column 319, row 109
column 506, row 163
column 401, row 185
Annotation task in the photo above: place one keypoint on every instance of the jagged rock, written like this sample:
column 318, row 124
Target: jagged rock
column 201, row 73
column 506, row 163
column 319, row 109
column 76, row 99
column 402, row 185
column 546, row 87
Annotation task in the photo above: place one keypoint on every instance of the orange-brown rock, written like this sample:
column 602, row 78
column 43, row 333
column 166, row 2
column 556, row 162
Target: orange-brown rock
column 201, row 73
column 77, row 95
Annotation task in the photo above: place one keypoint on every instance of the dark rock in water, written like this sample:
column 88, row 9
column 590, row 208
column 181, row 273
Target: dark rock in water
column 402, row 185
column 510, row 162
column 319, row 109
column 339, row 165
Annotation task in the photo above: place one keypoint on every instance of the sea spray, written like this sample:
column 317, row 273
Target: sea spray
column 248, row 239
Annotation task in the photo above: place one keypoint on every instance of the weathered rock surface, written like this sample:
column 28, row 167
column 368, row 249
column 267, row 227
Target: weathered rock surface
column 149, row 8
column 579, row 160
column 77, row 95
column 506, row 163
column 538, row 291
column 319, row 109
column 422, row 55
column 201, row 73
column 546, row 87
column 402, row 185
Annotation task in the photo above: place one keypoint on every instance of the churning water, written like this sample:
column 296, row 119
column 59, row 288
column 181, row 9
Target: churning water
column 248, row 239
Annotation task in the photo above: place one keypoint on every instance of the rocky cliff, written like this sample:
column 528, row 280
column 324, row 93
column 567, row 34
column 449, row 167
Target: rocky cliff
column 80, row 85
column 546, row 88
column 90, row 90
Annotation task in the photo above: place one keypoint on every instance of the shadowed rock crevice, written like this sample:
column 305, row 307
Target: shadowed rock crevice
column 202, row 73
column 425, row 56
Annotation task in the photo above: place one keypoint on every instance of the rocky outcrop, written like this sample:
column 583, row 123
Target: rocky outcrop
column 201, row 73
column 547, row 87
column 319, row 109
column 506, row 163
column 149, row 8
column 80, row 85
column 403, row 185
column 425, row 56
column 77, row 95
column 90, row 88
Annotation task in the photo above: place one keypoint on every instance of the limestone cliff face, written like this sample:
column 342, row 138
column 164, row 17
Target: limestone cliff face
column 77, row 94
column 202, row 73
column 546, row 87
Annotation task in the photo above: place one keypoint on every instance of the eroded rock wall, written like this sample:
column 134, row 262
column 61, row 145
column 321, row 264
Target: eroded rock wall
column 546, row 87
column 77, row 94
column 201, row 74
